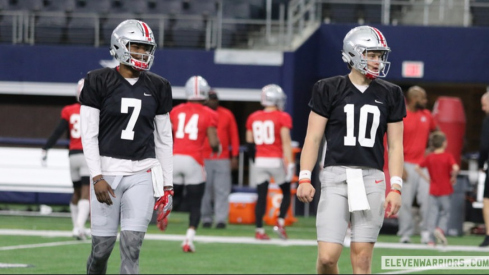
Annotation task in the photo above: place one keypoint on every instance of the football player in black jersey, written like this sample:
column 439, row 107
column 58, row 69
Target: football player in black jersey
column 127, row 142
column 354, row 112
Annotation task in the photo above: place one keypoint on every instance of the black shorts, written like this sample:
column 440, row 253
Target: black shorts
column 84, row 180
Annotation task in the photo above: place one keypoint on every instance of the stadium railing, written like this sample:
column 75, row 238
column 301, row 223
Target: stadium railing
column 171, row 30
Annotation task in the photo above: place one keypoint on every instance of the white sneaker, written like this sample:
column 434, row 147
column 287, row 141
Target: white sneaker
column 425, row 237
column 405, row 239
column 440, row 236
column 78, row 234
column 87, row 233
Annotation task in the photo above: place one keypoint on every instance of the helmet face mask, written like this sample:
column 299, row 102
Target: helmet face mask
column 128, row 33
column 358, row 45
column 273, row 95
column 197, row 88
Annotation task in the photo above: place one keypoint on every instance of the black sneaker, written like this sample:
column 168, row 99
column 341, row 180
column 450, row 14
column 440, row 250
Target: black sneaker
column 206, row 225
column 485, row 243
column 221, row 225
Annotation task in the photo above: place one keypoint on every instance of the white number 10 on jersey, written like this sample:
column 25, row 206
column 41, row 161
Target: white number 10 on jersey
column 350, row 139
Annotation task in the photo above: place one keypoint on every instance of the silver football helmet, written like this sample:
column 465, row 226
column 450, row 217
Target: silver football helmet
column 133, row 31
column 358, row 42
column 79, row 88
column 197, row 88
column 273, row 95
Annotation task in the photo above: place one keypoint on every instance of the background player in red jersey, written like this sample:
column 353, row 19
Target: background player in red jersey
column 192, row 123
column 127, row 142
column 354, row 112
column 418, row 124
column 268, row 132
column 79, row 203
column 215, row 203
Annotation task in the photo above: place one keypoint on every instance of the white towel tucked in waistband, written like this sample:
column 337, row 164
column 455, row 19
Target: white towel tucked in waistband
column 357, row 197
column 115, row 182
column 157, row 176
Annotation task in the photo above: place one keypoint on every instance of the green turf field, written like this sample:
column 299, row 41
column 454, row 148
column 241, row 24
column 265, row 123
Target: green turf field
column 64, row 255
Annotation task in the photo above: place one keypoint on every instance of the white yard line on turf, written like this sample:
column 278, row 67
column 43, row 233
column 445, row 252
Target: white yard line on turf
column 25, row 246
column 247, row 240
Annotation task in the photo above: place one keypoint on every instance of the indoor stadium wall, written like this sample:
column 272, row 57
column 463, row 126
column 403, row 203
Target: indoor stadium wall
column 454, row 64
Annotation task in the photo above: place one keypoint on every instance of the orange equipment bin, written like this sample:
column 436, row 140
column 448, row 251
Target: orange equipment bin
column 242, row 205
column 242, row 208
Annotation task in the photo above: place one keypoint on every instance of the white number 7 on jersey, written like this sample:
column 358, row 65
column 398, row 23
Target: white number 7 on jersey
column 128, row 133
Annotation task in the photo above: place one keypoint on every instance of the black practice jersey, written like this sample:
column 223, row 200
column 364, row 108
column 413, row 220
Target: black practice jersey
column 127, row 112
column 357, row 121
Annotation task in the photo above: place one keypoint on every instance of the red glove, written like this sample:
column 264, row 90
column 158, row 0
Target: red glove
column 164, row 206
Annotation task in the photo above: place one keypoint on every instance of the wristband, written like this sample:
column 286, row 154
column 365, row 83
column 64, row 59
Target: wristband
column 396, row 191
column 395, row 188
column 301, row 181
column 305, row 174
column 396, row 180
column 95, row 181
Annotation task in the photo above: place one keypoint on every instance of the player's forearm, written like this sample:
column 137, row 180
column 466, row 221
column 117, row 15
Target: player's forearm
column 58, row 131
column 309, row 153
column 164, row 147
column 396, row 151
column 287, row 145
column 396, row 160
column 89, row 136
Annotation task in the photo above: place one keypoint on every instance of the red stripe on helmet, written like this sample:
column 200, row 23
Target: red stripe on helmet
column 380, row 36
column 146, row 30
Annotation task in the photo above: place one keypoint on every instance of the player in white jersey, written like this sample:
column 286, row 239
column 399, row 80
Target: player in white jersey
column 354, row 112
column 127, row 141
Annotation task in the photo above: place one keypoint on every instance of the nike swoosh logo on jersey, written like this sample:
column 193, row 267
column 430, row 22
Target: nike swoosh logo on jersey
column 376, row 101
column 145, row 94
column 378, row 181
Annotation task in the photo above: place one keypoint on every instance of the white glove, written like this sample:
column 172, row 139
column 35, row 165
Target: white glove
column 290, row 172
column 44, row 158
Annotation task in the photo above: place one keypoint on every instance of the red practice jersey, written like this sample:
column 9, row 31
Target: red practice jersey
column 265, row 127
column 227, row 131
column 71, row 113
column 189, row 125
column 417, row 128
column 439, row 166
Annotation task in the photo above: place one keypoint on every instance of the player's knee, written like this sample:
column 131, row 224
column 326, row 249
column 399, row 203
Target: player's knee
column 362, row 261
column 327, row 261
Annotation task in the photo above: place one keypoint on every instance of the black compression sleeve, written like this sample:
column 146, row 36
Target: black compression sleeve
column 60, row 129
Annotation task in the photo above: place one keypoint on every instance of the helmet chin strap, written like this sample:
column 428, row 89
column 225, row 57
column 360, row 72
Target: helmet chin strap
column 139, row 65
column 370, row 76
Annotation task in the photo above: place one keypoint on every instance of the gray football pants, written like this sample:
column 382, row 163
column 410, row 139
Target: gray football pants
column 438, row 214
column 217, row 190
column 414, row 187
